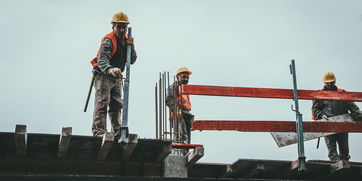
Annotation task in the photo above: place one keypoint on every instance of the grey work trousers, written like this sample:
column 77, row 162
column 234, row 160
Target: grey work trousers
column 108, row 93
column 185, row 127
column 342, row 140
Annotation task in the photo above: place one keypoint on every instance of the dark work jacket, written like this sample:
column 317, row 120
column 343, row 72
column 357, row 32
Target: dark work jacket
column 119, row 59
column 333, row 108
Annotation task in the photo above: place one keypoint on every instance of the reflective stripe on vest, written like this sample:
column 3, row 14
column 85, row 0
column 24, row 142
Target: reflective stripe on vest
column 113, row 38
column 338, row 89
column 184, row 102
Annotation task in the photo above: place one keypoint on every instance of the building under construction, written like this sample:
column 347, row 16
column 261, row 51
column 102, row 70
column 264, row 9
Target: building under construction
column 64, row 156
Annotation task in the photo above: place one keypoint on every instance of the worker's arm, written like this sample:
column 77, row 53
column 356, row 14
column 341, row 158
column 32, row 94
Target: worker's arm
column 355, row 113
column 170, row 97
column 317, row 109
column 105, row 53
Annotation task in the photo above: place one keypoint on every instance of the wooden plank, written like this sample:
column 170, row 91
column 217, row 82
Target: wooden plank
column 132, row 143
column 194, row 156
column 277, row 126
column 21, row 140
column 107, row 142
column 64, row 141
column 269, row 93
column 284, row 139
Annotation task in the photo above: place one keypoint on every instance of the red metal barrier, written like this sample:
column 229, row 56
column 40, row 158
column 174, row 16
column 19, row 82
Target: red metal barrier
column 270, row 93
column 185, row 145
column 277, row 126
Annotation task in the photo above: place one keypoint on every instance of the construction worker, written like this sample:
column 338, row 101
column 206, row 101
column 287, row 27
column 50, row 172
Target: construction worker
column 323, row 109
column 183, row 105
column 108, row 67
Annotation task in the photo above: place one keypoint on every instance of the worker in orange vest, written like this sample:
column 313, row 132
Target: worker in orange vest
column 322, row 109
column 183, row 105
column 108, row 67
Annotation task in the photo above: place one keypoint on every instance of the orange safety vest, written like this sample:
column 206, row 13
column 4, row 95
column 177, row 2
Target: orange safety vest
column 113, row 38
column 338, row 89
column 183, row 101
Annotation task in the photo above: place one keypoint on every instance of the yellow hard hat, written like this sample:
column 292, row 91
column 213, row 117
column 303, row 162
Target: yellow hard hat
column 329, row 77
column 120, row 17
column 183, row 69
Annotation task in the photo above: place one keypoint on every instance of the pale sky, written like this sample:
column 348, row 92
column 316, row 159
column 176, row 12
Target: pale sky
column 46, row 47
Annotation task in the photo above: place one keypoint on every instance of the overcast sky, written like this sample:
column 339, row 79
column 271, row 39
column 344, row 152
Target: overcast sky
column 46, row 47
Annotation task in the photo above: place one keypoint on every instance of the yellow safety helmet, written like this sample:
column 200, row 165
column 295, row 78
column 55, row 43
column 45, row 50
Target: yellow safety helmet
column 120, row 17
column 329, row 77
column 183, row 69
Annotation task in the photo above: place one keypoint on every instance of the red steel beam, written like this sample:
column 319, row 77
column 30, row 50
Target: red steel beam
column 185, row 145
column 277, row 126
column 270, row 93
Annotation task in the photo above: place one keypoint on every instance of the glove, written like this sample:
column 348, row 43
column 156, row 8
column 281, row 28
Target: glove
column 130, row 41
column 115, row 72
column 325, row 117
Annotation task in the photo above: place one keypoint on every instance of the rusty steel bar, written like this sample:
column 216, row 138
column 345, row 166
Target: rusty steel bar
column 160, row 108
column 168, row 109
column 156, row 109
column 277, row 126
column 270, row 93
column 164, row 105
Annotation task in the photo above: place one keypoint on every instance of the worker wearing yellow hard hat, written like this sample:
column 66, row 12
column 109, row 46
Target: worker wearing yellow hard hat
column 108, row 67
column 324, row 109
column 182, row 116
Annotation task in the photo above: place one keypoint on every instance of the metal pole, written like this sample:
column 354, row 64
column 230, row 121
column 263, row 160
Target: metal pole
column 299, row 119
column 89, row 92
column 124, row 125
column 160, row 108
column 156, row 111
column 164, row 104
column 168, row 112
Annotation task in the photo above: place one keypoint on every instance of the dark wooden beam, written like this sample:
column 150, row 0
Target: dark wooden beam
column 107, row 142
column 269, row 93
column 21, row 140
column 277, row 126
column 129, row 148
column 64, row 141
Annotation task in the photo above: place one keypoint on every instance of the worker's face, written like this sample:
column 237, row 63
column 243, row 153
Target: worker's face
column 183, row 77
column 120, row 29
column 330, row 84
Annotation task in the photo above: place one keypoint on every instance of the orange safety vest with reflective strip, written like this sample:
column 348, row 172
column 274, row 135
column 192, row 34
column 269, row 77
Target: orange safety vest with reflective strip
column 183, row 100
column 113, row 38
column 338, row 89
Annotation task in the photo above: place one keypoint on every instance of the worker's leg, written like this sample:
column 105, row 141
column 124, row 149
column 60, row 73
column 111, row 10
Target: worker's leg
column 332, row 147
column 183, row 129
column 342, row 140
column 115, row 106
column 102, row 87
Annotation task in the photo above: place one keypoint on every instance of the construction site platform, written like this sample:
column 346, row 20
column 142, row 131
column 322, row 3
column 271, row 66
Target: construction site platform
column 35, row 156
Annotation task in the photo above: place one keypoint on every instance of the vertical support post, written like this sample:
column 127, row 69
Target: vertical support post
column 299, row 119
column 156, row 109
column 21, row 140
column 124, row 124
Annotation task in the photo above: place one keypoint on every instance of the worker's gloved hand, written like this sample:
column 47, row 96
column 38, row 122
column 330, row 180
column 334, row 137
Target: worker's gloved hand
column 130, row 41
column 325, row 117
column 115, row 72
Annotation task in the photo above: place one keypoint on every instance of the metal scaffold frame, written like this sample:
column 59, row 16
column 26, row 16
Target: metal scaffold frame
column 277, row 126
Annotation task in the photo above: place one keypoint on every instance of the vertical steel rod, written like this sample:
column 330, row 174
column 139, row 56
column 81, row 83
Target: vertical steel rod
column 299, row 119
column 168, row 112
column 164, row 105
column 160, row 108
column 156, row 111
